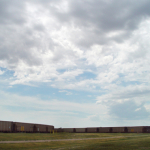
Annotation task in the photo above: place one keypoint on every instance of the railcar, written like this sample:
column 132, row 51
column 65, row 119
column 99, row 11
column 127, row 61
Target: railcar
column 92, row 130
column 146, row 129
column 118, row 129
column 104, row 129
column 81, row 130
column 9, row 126
column 134, row 129
column 70, row 130
column 5, row 126
column 59, row 130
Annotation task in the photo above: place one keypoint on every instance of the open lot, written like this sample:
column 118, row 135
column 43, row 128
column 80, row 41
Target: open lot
column 79, row 141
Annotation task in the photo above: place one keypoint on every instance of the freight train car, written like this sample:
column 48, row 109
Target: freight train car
column 104, row 129
column 8, row 126
column 5, row 126
column 118, row 129
column 81, row 130
column 35, row 128
column 59, row 130
column 43, row 128
column 70, row 130
column 146, row 129
column 22, row 127
column 135, row 129
column 92, row 130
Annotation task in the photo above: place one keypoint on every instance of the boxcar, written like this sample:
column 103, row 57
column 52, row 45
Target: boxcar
column 59, row 129
column 146, row 129
column 117, row 129
column 81, row 130
column 22, row 127
column 92, row 130
column 30, row 127
column 104, row 129
column 41, row 128
column 5, row 126
column 49, row 128
column 71, row 130
column 138, row 129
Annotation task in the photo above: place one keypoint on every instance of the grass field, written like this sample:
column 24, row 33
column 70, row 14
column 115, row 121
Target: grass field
column 118, row 141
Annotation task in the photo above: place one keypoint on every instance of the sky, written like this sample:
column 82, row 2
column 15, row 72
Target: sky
column 73, row 63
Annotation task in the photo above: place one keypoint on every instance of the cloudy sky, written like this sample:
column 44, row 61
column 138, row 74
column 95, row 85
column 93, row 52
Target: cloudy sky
column 75, row 63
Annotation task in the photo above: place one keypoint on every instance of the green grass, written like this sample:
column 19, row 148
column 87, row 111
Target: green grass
column 137, row 142
column 48, row 136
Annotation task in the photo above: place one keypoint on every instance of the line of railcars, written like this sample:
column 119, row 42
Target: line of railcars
column 132, row 129
column 9, row 126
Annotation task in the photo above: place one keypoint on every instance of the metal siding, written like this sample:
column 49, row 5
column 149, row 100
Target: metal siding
column 59, row 129
column 130, row 129
column 80, row 130
column 27, row 127
column 18, row 126
column 24, row 127
column 5, row 126
column 91, row 130
column 38, row 128
column 140, row 129
column 121, row 129
column 146, row 129
column 42, row 128
column 114, row 129
column 135, row 129
column 104, row 129
column 68, row 129
column 9, row 126
column 118, row 129
column 0, row 126
column 50, row 128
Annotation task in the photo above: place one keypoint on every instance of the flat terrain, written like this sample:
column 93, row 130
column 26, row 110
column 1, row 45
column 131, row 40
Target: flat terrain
column 78, row 141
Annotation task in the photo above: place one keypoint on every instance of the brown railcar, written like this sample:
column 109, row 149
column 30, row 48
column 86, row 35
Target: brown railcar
column 41, row 128
column 92, row 130
column 146, row 129
column 59, row 130
column 5, row 126
column 80, row 130
column 138, row 129
column 71, row 130
column 23, row 127
column 117, row 129
column 8, row 126
column 104, row 129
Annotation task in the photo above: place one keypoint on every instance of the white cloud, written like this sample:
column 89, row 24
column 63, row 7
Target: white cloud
column 138, row 109
column 139, row 93
column 1, row 72
column 58, row 42
column 52, row 109
column 43, row 46
column 67, row 93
